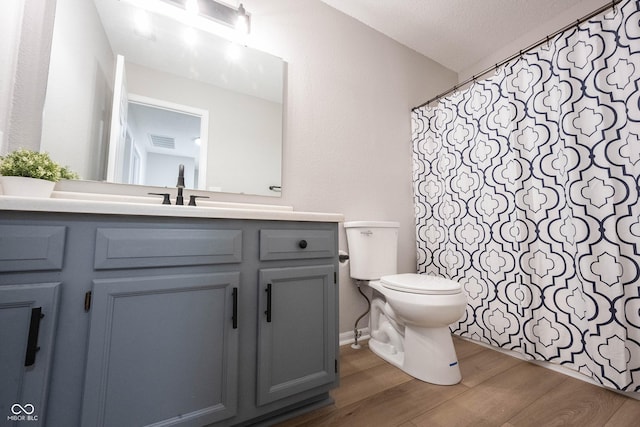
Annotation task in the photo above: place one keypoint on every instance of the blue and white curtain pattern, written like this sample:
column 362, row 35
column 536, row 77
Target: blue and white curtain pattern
column 526, row 191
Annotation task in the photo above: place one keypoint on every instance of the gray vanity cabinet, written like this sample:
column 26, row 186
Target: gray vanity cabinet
column 296, row 336
column 297, row 327
column 163, row 347
column 27, row 326
column 161, row 320
column 28, row 315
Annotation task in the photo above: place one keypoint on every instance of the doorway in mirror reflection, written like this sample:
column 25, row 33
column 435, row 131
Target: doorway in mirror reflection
column 160, row 136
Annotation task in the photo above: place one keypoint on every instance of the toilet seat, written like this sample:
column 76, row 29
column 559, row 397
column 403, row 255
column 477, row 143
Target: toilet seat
column 421, row 284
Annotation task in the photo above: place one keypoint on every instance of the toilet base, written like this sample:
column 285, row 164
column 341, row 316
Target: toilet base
column 428, row 355
column 387, row 352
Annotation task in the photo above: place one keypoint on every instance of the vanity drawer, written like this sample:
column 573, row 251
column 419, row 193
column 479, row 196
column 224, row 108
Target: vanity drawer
column 151, row 247
column 297, row 244
column 31, row 248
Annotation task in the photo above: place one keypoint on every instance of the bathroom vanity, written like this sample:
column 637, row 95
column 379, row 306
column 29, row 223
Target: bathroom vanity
column 131, row 314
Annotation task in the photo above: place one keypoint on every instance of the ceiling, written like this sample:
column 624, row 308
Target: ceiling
column 460, row 33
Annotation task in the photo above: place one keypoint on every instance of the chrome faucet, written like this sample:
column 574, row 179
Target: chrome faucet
column 180, row 185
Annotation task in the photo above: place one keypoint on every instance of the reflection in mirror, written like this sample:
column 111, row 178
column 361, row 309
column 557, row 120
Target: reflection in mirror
column 240, row 89
column 160, row 137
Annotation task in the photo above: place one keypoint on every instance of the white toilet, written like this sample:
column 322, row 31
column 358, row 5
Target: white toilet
column 410, row 313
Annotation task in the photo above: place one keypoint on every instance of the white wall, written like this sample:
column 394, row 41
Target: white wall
column 10, row 25
column 158, row 165
column 525, row 40
column 78, row 101
column 256, row 148
column 25, row 70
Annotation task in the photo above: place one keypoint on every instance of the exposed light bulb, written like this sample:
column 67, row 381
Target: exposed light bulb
column 143, row 23
column 242, row 22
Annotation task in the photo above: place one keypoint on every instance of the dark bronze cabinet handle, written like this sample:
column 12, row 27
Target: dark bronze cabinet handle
column 234, row 318
column 302, row 244
column 32, row 340
column 268, row 311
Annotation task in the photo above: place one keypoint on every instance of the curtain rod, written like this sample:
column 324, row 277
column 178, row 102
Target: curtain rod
column 604, row 8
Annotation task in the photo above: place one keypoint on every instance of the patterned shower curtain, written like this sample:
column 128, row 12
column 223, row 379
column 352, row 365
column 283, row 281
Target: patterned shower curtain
column 526, row 189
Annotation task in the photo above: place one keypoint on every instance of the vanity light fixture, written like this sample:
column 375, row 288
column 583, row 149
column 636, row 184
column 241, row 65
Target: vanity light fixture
column 233, row 23
column 216, row 11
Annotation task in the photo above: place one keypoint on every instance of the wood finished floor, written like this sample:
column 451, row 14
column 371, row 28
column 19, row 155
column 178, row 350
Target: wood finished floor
column 496, row 390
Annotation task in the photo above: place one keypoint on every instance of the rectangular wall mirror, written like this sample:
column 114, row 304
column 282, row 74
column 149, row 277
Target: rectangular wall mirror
column 237, row 89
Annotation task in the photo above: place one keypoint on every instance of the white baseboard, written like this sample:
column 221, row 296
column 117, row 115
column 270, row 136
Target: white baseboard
column 347, row 338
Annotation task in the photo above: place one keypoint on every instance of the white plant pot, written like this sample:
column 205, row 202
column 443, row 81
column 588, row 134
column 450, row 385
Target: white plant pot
column 20, row 186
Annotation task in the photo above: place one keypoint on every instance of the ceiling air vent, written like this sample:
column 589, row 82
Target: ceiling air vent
column 160, row 141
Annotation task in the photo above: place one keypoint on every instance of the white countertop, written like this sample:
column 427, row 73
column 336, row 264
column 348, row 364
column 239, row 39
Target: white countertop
column 145, row 206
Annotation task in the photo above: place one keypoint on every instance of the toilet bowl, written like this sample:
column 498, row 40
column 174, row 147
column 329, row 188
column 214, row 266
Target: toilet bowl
column 427, row 351
column 410, row 313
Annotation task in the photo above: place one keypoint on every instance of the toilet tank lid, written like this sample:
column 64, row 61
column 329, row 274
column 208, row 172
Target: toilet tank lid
column 421, row 284
column 371, row 224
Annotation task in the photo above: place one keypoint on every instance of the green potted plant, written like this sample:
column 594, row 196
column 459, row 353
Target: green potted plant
column 31, row 174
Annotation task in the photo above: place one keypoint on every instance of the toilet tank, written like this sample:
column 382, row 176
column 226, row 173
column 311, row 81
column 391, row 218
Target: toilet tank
column 373, row 248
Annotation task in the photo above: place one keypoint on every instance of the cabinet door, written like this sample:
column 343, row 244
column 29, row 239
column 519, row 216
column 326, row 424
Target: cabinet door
column 296, row 335
column 162, row 351
column 27, row 327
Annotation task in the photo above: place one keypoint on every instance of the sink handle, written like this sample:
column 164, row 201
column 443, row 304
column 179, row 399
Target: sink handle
column 193, row 197
column 165, row 200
